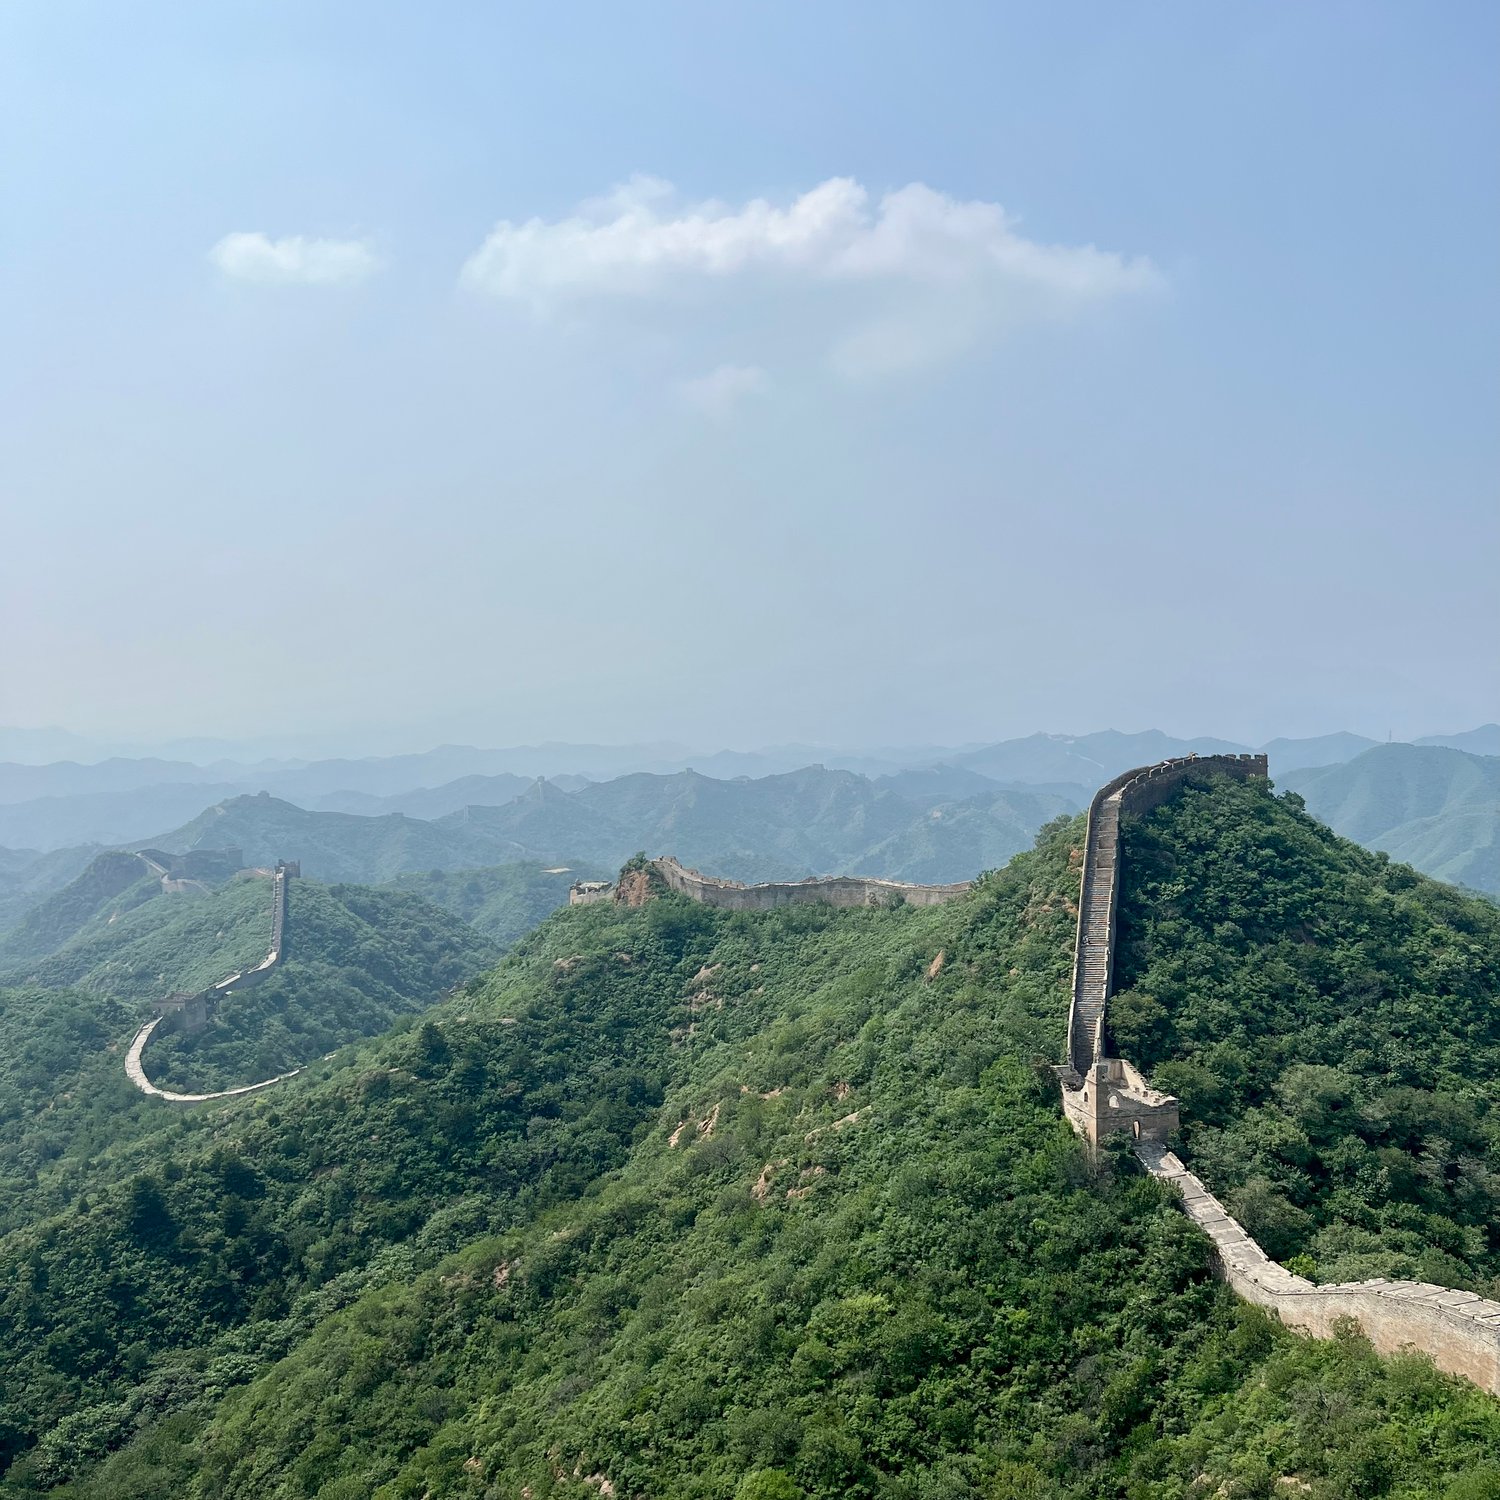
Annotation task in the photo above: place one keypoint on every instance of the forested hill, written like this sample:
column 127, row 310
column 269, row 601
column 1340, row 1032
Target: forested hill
column 360, row 961
column 683, row 1203
column 1431, row 806
column 1331, row 1022
column 812, row 821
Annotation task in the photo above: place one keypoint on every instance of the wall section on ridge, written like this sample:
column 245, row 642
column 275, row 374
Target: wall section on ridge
column 833, row 890
column 1458, row 1331
column 193, row 1009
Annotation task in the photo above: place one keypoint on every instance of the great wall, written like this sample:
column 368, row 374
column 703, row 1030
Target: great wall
column 1102, row 1096
column 190, row 1011
column 732, row 895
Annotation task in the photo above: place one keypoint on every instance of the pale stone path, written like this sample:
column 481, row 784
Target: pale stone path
column 1460, row 1331
column 137, row 1074
column 135, row 1068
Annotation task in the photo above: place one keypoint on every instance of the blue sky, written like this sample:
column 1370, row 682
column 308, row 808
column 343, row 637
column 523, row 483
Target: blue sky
column 839, row 372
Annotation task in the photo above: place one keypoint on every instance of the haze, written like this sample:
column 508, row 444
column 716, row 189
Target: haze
column 847, row 374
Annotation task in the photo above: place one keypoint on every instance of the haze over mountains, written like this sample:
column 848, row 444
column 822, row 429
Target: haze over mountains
column 930, row 814
column 1424, row 805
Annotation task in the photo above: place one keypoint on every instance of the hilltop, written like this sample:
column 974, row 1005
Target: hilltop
column 1434, row 807
column 712, row 1204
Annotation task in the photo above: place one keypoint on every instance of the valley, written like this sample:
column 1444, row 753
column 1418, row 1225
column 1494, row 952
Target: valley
column 673, row 1194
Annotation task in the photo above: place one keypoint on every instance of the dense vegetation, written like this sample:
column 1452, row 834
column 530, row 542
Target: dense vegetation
column 141, row 945
column 699, row 1204
column 1431, row 806
column 1329, row 1020
column 114, row 883
column 504, row 902
column 27, row 877
column 358, row 960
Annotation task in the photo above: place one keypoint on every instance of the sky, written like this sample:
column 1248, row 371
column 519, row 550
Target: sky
column 840, row 373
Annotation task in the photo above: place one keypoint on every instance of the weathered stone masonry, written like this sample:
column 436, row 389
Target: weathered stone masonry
column 1102, row 1095
column 835, row 890
column 1459, row 1331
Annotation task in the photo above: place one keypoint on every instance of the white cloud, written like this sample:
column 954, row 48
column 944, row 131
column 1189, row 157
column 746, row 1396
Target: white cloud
column 640, row 242
column 720, row 391
column 294, row 260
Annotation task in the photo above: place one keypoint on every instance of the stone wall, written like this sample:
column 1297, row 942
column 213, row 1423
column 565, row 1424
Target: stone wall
column 833, row 890
column 1131, row 793
column 190, row 1012
column 1458, row 1331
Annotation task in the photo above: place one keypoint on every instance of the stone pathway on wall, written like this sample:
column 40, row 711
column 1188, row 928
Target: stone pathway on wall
column 136, row 1072
column 1459, row 1331
column 135, row 1067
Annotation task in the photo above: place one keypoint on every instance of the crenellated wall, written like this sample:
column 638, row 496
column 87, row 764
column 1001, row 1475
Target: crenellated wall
column 1134, row 792
column 1459, row 1331
column 832, row 890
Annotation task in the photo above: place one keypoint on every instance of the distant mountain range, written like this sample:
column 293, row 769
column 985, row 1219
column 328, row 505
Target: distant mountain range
column 1425, row 805
column 118, row 801
column 813, row 821
column 1432, row 805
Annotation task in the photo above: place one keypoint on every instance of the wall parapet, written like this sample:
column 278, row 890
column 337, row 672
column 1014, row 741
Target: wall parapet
column 1458, row 1331
column 1132, row 792
column 831, row 890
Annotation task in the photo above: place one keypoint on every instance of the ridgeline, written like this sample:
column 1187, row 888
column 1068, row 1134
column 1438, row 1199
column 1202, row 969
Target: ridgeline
column 688, row 1202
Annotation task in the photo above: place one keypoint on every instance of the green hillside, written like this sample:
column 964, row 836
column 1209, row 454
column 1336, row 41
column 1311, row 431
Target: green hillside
column 113, row 884
column 684, row 1203
column 1329, row 1022
column 27, row 877
column 504, row 902
column 140, row 952
column 1426, row 805
column 981, row 832
column 358, row 960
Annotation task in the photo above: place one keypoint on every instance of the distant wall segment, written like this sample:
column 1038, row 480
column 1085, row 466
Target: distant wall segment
column 191, row 1011
column 833, row 890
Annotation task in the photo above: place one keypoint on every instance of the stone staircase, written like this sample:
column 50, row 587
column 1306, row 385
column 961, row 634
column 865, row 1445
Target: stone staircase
column 1094, row 958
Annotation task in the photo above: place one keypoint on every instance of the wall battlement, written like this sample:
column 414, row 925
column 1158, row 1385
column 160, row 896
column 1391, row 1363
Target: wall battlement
column 832, row 890
column 1459, row 1331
